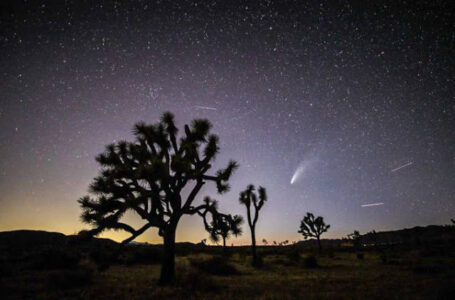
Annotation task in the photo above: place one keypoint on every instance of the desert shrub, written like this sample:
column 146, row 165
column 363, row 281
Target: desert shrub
column 259, row 261
column 293, row 254
column 429, row 268
column 103, row 258
column 310, row 262
column 66, row 279
column 360, row 256
column 216, row 265
column 51, row 259
column 192, row 281
column 147, row 255
column 388, row 258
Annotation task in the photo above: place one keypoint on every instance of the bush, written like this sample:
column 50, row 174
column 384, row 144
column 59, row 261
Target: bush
column 216, row 265
column 103, row 258
column 310, row 262
column 52, row 259
column 259, row 261
column 192, row 281
column 360, row 256
column 66, row 279
column 293, row 255
column 146, row 255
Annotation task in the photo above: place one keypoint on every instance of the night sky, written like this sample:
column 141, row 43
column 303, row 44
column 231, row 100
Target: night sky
column 331, row 106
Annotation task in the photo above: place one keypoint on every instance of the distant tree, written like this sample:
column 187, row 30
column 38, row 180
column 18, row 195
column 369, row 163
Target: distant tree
column 264, row 241
column 148, row 176
column 374, row 237
column 453, row 221
column 313, row 227
column 274, row 242
column 253, row 204
column 203, row 242
column 223, row 226
column 355, row 237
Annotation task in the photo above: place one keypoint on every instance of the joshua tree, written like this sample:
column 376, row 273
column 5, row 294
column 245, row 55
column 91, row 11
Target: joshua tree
column 148, row 177
column 224, row 226
column 374, row 237
column 313, row 227
column 355, row 237
column 248, row 198
column 264, row 241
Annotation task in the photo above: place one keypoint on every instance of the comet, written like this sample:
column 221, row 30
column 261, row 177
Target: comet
column 303, row 167
column 298, row 172
column 372, row 204
column 403, row 166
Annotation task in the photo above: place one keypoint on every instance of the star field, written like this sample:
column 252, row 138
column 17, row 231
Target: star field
column 346, row 92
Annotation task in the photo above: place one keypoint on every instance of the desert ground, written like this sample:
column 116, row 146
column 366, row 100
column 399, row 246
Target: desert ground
column 65, row 268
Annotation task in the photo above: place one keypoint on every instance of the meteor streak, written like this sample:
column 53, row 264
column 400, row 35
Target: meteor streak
column 372, row 204
column 204, row 107
column 403, row 166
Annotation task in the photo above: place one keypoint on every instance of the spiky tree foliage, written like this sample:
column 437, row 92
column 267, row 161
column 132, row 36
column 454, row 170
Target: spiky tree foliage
column 253, row 203
column 313, row 227
column 221, row 225
column 148, row 177
column 264, row 241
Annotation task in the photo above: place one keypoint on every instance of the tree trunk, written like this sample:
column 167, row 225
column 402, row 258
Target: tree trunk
column 319, row 245
column 224, row 243
column 167, row 276
column 253, row 247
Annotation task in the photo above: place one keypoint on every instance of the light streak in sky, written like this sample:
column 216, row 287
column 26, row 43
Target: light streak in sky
column 403, row 166
column 372, row 204
column 204, row 107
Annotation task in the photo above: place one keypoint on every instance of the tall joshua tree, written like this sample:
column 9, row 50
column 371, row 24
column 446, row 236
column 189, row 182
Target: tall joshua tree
column 222, row 225
column 313, row 227
column 253, row 205
column 148, row 177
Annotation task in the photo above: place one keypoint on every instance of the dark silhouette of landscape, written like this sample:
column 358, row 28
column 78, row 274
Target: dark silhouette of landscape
column 415, row 263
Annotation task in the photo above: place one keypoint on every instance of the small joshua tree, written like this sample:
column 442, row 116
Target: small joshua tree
column 222, row 225
column 313, row 227
column 147, row 177
column 253, row 205
column 264, row 241
column 355, row 237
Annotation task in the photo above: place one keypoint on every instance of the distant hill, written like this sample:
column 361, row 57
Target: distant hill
column 409, row 236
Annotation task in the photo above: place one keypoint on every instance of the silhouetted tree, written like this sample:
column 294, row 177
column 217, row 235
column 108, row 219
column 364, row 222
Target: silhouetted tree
column 264, row 241
column 147, row 177
column 274, row 242
column 355, row 237
column 224, row 226
column 253, row 202
column 453, row 221
column 313, row 227
column 374, row 237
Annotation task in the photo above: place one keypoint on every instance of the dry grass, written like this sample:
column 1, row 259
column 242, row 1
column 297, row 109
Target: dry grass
column 340, row 277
